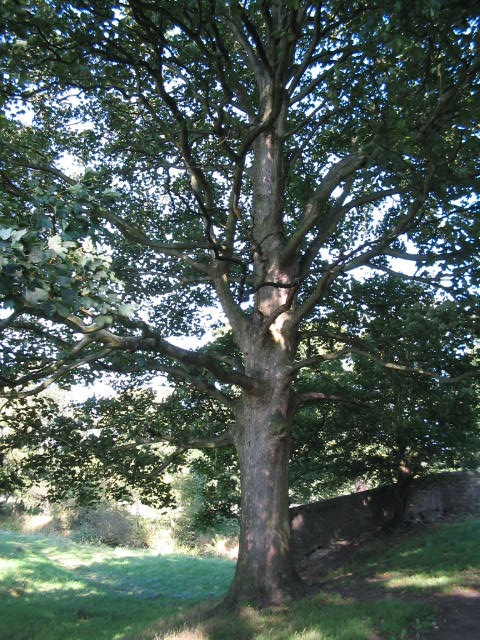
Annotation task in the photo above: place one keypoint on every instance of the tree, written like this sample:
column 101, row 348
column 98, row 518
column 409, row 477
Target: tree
column 259, row 156
column 96, row 451
column 81, row 454
column 414, row 430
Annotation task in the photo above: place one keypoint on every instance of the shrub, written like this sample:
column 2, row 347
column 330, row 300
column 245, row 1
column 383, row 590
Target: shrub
column 187, row 490
column 110, row 525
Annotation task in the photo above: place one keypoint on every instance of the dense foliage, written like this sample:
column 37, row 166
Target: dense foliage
column 169, row 166
column 404, row 429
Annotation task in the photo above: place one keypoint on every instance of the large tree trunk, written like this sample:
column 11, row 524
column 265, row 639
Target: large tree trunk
column 265, row 573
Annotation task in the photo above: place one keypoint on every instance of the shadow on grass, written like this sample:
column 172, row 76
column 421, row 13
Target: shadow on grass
column 318, row 617
column 52, row 590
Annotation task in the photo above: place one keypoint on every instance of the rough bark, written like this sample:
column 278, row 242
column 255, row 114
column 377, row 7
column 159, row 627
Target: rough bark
column 265, row 573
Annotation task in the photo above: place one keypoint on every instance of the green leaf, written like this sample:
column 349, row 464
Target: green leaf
column 62, row 310
column 36, row 296
column 111, row 194
column 77, row 189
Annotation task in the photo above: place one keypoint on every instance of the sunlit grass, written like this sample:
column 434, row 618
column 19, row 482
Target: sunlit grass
column 419, row 581
column 53, row 589
column 315, row 618
column 442, row 583
column 435, row 558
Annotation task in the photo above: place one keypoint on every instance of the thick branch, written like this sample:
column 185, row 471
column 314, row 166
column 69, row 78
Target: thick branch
column 332, row 220
column 214, row 442
column 255, row 62
column 339, row 172
column 134, row 234
column 301, row 68
column 433, row 281
column 315, row 396
column 362, row 255
column 356, row 346
column 165, row 462
column 201, row 384
column 427, row 258
column 151, row 342
column 60, row 372
column 441, row 379
column 318, row 358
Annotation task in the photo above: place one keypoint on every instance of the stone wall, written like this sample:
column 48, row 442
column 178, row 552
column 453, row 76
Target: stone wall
column 320, row 524
column 443, row 494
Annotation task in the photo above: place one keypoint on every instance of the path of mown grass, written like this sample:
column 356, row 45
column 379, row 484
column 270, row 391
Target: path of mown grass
column 56, row 590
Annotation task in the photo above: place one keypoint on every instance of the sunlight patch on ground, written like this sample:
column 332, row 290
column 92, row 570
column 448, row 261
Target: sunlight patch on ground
column 466, row 592
column 62, row 586
column 185, row 634
column 37, row 522
column 86, row 556
column 419, row 581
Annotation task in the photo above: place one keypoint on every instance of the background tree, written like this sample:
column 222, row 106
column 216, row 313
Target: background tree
column 97, row 451
column 414, row 430
column 90, row 453
column 260, row 156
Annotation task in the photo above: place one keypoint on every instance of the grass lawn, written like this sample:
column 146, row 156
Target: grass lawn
column 53, row 589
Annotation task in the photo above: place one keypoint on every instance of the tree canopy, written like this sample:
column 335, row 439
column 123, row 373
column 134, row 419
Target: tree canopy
column 408, row 427
column 256, row 159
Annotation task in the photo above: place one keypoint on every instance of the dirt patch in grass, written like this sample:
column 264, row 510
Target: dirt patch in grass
column 340, row 570
column 458, row 618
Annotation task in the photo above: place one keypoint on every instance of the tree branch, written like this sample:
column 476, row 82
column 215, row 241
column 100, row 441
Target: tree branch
column 306, row 91
column 366, row 251
column 339, row 172
column 441, row 379
column 356, row 346
column 434, row 281
column 201, row 384
column 165, row 462
column 134, row 234
column 315, row 396
column 214, row 442
column 332, row 220
column 318, row 358
column 130, row 231
column 251, row 58
column 149, row 341
column 61, row 371
column 278, row 311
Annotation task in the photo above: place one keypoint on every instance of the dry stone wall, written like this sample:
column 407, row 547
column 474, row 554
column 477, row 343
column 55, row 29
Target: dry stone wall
column 320, row 524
